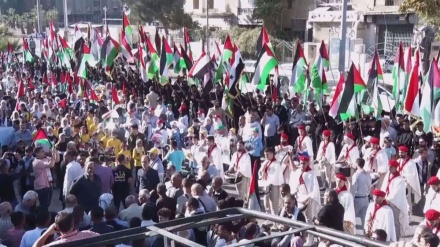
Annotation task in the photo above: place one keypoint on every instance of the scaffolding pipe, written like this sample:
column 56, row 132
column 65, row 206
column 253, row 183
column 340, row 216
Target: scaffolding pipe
column 320, row 229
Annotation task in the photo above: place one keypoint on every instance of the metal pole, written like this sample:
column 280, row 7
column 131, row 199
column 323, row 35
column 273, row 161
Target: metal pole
column 105, row 16
column 343, row 37
column 38, row 17
column 66, row 21
column 207, row 28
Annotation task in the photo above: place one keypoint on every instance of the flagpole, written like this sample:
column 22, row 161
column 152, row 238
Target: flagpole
column 343, row 37
column 207, row 28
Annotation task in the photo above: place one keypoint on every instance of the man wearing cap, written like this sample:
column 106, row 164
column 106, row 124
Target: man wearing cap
column 281, row 153
column 304, row 185
column 160, row 135
column 156, row 162
column 349, row 152
column 408, row 169
column 304, row 143
column 326, row 159
column 432, row 221
column 433, row 195
column 346, row 200
column 214, row 154
column 271, row 180
column 241, row 166
column 395, row 189
column 376, row 161
column 380, row 216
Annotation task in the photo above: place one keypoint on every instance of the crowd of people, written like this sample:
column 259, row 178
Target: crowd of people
column 159, row 156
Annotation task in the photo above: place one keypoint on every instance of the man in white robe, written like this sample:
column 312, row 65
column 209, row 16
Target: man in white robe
column 376, row 162
column 349, row 153
column 214, row 154
column 241, row 167
column 304, row 143
column 347, row 201
column 432, row 221
column 395, row 189
column 433, row 196
column 271, row 180
column 306, row 188
column 281, row 154
column 408, row 170
column 326, row 159
column 380, row 216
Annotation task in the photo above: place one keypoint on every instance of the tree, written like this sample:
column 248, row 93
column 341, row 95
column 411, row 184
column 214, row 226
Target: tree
column 6, row 37
column 427, row 9
column 52, row 15
column 169, row 12
column 270, row 11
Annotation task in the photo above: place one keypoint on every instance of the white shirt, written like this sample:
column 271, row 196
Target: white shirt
column 73, row 171
column 270, row 125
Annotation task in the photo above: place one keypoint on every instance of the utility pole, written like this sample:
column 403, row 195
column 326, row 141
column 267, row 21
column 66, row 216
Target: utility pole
column 343, row 37
column 105, row 16
column 207, row 28
column 38, row 17
column 66, row 21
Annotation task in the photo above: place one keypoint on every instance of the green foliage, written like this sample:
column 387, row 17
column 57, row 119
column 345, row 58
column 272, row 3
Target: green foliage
column 169, row 12
column 246, row 39
column 6, row 37
column 427, row 9
column 270, row 11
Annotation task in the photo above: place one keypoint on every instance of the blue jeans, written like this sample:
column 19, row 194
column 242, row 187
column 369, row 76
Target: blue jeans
column 45, row 197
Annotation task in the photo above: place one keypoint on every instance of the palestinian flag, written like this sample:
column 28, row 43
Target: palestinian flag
column 187, row 43
column 408, row 68
column 237, row 67
column 426, row 105
column 157, row 40
column 96, row 44
column 228, row 51
column 127, row 30
column 87, row 59
column 202, row 66
column 115, row 96
column 262, row 40
column 166, row 59
column 435, row 117
column 20, row 93
column 110, row 50
column 125, row 47
column 143, row 56
column 317, row 76
column 265, row 64
column 376, row 102
column 41, row 139
column 299, row 70
column 188, row 60
column 178, row 62
column 412, row 103
column 78, row 42
column 334, row 106
column 153, row 62
column 353, row 85
column 10, row 53
column 254, row 192
column 374, row 75
column 28, row 57
column 399, row 77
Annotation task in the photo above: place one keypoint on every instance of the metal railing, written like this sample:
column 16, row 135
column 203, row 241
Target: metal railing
column 168, row 230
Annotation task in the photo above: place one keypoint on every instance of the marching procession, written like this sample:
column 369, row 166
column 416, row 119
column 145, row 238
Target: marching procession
column 126, row 144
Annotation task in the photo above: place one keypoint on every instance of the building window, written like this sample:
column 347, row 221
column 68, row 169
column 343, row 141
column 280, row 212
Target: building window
column 389, row 2
column 196, row 4
column 210, row 4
